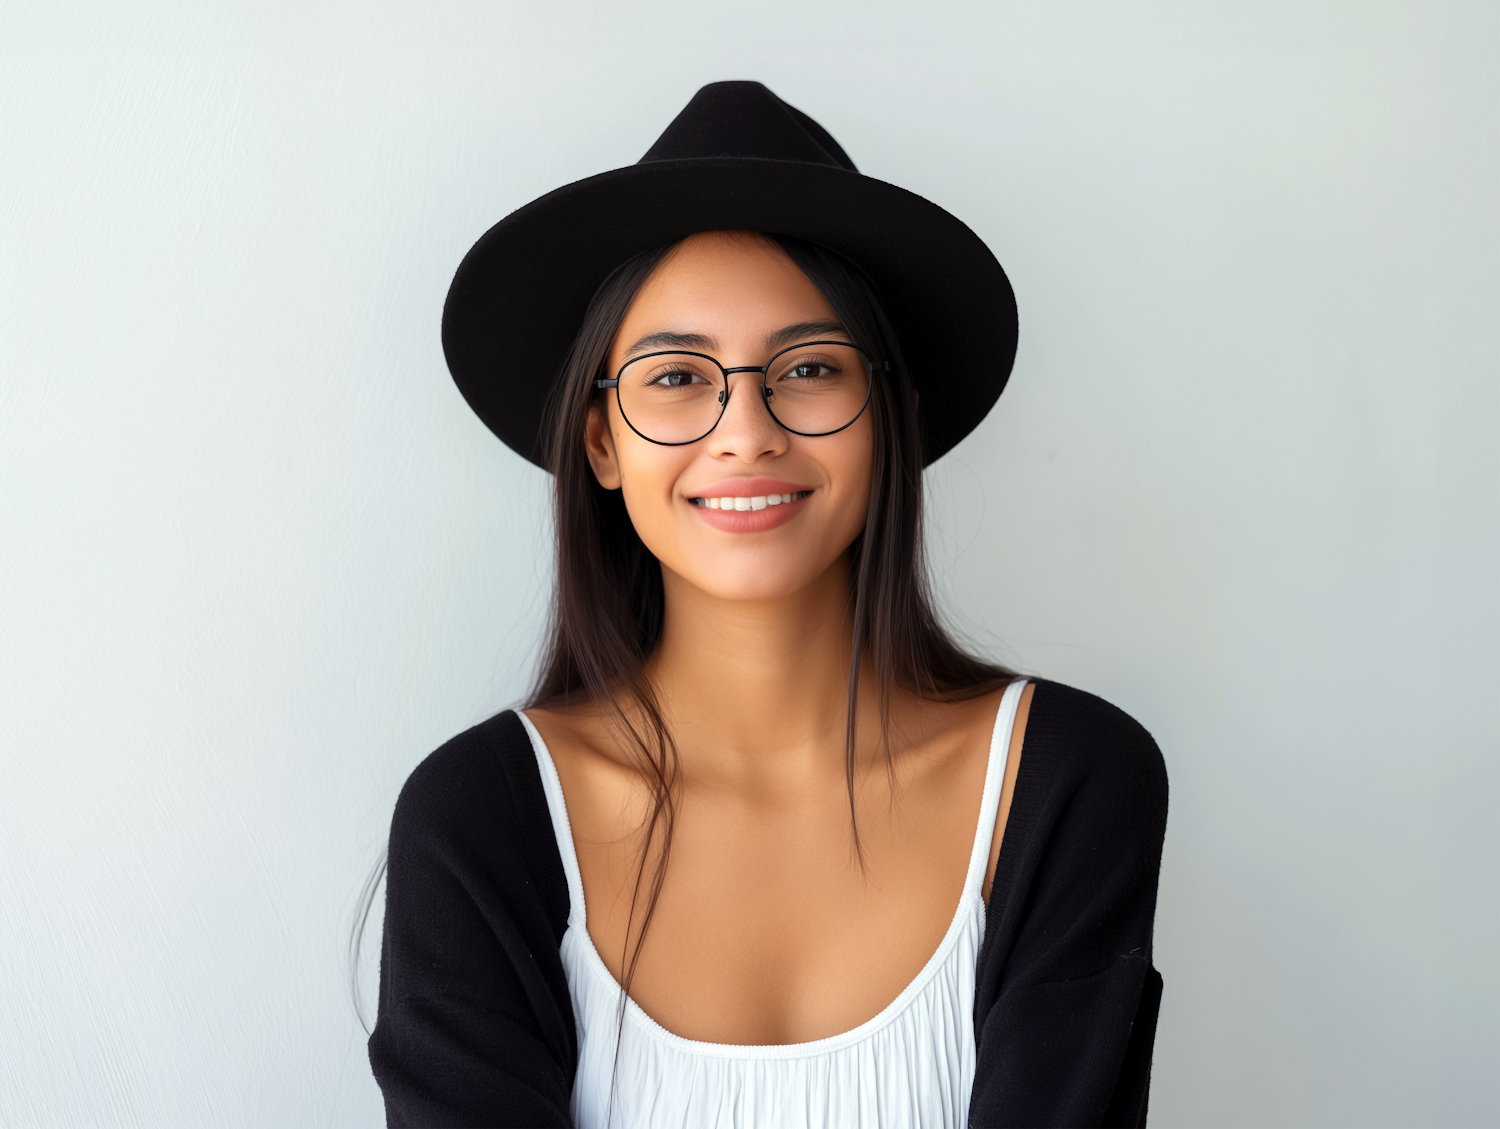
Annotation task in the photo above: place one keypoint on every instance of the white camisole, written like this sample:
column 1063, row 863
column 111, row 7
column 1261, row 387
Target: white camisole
column 911, row 1065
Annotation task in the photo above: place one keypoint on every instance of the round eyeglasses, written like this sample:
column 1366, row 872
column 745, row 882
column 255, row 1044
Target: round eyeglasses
column 814, row 388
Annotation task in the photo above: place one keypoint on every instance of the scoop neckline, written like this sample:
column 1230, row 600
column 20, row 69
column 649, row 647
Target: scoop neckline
column 578, row 917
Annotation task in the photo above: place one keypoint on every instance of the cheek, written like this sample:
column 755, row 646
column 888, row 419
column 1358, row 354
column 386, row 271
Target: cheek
column 648, row 478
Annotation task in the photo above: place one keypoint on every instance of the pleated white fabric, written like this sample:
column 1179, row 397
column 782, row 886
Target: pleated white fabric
column 911, row 1065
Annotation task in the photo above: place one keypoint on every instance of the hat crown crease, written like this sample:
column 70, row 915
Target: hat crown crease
column 740, row 120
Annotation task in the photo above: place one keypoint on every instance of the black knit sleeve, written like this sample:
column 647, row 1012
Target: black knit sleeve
column 1066, row 999
column 474, row 1024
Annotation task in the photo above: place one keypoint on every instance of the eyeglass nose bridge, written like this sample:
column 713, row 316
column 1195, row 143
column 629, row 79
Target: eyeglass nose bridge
column 765, row 392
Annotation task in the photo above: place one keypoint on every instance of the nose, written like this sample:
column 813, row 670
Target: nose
column 746, row 429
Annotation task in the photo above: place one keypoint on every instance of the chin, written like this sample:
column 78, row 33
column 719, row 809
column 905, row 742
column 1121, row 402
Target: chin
column 754, row 585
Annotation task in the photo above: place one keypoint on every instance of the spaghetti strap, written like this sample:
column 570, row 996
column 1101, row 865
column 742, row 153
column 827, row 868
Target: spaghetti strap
column 994, row 784
column 562, row 828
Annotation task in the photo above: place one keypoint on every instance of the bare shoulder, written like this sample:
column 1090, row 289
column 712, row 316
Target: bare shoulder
column 954, row 736
column 601, row 788
column 945, row 755
column 570, row 731
column 971, row 728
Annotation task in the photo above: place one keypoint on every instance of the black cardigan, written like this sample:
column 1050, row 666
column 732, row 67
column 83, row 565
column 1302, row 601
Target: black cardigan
column 475, row 1023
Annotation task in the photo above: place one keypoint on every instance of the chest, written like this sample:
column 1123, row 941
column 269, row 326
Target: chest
column 912, row 1064
column 769, row 927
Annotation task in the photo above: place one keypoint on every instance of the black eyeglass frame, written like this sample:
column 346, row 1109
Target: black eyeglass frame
column 765, row 393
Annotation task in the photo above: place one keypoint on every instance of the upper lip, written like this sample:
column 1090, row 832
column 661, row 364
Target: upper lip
column 747, row 488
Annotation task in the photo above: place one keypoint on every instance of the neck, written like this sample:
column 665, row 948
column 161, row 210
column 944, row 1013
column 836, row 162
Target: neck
column 757, row 687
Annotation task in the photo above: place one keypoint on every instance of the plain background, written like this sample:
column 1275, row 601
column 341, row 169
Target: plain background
column 257, row 558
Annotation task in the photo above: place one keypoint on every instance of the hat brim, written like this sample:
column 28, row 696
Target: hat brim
column 519, row 297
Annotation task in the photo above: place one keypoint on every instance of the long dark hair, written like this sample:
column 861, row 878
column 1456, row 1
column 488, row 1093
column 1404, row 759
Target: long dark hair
column 609, row 605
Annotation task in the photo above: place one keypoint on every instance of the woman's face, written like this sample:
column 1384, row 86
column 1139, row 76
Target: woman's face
column 739, row 299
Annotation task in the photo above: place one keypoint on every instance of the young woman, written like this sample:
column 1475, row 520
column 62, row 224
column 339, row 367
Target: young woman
column 766, row 847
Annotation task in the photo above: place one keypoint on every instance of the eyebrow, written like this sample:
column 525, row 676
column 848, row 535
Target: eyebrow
column 805, row 331
column 786, row 335
column 672, row 341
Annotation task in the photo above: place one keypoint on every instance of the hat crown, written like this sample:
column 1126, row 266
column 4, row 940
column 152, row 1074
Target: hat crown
column 744, row 119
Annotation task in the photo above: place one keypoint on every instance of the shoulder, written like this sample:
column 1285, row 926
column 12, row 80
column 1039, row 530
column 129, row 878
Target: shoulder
column 466, row 777
column 478, row 802
column 1082, row 849
column 1075, row 738
column 1091, row 791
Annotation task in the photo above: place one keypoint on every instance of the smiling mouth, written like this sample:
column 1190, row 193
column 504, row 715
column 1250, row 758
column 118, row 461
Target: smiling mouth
column 758, row 502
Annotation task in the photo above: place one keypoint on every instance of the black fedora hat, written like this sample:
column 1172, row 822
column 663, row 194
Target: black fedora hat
column 736, row 158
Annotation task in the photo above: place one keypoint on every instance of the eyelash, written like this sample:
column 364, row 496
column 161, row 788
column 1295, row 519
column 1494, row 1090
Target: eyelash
column 661, row 376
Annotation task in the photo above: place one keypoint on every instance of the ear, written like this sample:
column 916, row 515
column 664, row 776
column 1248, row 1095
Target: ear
column 600, row 442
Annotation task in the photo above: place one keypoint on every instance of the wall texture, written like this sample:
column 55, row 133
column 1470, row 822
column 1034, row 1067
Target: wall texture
column 257, row 558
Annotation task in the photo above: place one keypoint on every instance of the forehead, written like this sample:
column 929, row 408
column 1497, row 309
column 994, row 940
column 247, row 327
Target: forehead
column 722, row 283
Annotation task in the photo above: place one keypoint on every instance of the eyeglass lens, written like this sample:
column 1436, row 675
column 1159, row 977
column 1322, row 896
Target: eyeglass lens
column 811, row 389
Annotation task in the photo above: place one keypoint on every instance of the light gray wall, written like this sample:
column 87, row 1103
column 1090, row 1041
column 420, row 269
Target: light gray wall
column 257, row 558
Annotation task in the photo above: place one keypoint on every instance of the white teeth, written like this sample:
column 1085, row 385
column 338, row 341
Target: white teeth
column 759, row 502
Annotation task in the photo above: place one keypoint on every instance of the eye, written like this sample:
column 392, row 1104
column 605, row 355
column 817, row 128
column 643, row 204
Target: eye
column 810, row 370
column 676, row 378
